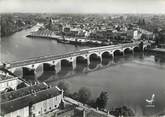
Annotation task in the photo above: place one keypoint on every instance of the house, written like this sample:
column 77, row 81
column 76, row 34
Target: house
column 8, row 81
column 35, row 103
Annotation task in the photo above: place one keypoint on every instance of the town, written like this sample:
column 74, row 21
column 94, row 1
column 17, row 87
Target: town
column 104, row 36
column 91, row 30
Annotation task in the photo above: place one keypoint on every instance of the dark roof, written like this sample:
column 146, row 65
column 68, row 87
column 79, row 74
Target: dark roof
column 16, row 104
column 22, row 92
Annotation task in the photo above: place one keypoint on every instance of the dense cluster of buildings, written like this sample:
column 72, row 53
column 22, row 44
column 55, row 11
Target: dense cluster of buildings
column 98, row 28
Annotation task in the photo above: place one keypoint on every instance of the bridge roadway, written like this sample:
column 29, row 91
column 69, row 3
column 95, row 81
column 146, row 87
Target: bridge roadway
column 42, row 59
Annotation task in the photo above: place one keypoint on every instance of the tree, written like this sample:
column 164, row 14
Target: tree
column 102, row 100
column 92, row 103
column 123, row 111
column 84, row 95
column 65, row 86
column 75, row 96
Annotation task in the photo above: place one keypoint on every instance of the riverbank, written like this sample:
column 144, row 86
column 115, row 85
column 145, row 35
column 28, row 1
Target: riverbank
column 17, row 30
column 157, row 50
column 47, row 34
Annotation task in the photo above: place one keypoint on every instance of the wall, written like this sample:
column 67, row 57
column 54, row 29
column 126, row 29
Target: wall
column 47, row 105
column 9, row 83
column 24, row 112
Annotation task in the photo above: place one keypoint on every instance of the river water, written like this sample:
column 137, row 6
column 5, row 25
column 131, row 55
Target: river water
column 128, row 80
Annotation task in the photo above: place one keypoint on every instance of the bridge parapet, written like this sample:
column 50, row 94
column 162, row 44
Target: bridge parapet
column 43, row 59
column 133, row 44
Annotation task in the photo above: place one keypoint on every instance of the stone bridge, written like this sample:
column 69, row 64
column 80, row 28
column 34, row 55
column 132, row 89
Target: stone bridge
column 86, row 56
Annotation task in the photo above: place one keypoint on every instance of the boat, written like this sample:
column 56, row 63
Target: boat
column 63, row 40
column 80, row 41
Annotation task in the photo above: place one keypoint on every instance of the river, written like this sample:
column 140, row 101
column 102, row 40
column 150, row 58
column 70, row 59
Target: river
column 128, row 80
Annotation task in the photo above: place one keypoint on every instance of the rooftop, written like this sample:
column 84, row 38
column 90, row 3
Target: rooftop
column 31, row 98
column 22, row 92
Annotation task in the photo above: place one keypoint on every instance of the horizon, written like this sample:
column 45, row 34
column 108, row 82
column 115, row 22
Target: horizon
column 62, row 13
column 83, row 6
column 81, row 13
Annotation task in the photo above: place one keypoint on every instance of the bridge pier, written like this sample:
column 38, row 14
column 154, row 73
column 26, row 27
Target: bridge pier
column 141, row 46
column 113, row 56
column 88, row 61
column 58, row 66
column 123, row 53
column 100, row 57
column 74, row 64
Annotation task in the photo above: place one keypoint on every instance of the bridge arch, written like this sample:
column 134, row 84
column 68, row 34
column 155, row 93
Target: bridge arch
column 136, row 49
column 94, row 57
column 93, row 67
column 81, row 59
column 28, row 73
column 48, row 67
column 118, row 52
column 106, row 57
column 65, row 64
column 128, row 50
column 106, row 54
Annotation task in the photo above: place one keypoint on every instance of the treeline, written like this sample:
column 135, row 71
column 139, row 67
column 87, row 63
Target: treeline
column 84, row 95
column 11, row 23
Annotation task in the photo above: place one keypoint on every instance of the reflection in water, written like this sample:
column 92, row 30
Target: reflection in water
column 159, row 58
column 64, row 71
column 131, row 90
column 133, row 97
column 84, row 68
column 80, row 68
column 105, row 62
column 46, row 75
column 94, row 65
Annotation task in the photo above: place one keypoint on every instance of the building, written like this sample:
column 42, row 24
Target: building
column 33, row 104
column 136, row 35
column 8, row 81
column 73, row 108
column 46, row 105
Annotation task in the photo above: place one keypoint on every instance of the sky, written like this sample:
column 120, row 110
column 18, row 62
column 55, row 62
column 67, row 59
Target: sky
column 83, row 6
